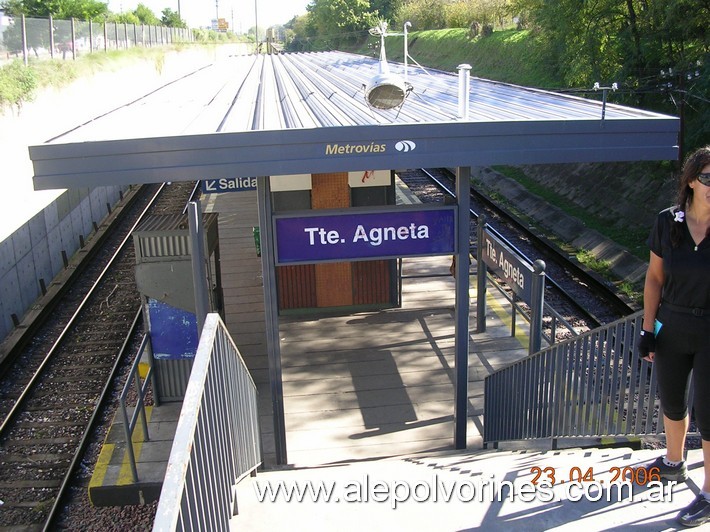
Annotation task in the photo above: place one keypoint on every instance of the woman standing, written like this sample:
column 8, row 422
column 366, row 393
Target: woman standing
column 676, row 323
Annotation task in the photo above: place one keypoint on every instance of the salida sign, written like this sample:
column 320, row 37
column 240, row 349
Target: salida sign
column 351, row 236
column 228, row 184
column 508, row 266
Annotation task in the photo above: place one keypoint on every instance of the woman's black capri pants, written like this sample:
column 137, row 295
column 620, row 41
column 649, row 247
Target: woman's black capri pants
column 682, row 345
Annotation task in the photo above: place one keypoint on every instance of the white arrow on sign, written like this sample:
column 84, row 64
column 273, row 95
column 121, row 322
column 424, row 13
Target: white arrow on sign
column 210, row 185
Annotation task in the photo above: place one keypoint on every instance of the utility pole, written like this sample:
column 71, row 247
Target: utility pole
column 256, row 25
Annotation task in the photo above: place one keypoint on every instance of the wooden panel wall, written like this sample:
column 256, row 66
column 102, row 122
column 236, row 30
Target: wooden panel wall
column 296, row 286
column 339, row 284
column 371, row 282
column 331, row 191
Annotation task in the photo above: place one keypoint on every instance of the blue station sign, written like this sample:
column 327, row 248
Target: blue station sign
column 228, row 184
column 365, row 235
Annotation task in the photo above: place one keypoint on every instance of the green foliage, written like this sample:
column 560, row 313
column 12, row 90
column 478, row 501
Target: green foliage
column 146, row 16
column 423, row 14
column 439, row 14
column 172, row 19
column 386, row 9
column 340, row 21
column 60, row 9
column 17, row 84
column 511, row 56
column 124, row 18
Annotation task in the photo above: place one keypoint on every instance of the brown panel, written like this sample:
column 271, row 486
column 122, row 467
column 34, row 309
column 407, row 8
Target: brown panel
column 330, row 191
column 333, row 280
column 371, row 282
column 334, row 284
column 296, row 286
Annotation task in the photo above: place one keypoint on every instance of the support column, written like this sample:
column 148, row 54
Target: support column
column 461, row 335
column 199, row 264
column 271, row 314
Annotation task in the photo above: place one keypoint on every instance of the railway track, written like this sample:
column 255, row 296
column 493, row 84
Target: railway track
column 583, row 299
column 53, row 388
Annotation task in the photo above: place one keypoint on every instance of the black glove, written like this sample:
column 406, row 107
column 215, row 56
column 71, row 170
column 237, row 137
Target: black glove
column 646, row 343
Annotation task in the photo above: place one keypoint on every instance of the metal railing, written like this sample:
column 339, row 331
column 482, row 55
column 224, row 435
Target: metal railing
column 556, row 320
column 141, row 388
column 51, row 38
column 217, row 439
column 590, row 386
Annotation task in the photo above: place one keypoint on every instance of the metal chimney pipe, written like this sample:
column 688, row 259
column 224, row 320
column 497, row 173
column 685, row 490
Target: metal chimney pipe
column 464, row 83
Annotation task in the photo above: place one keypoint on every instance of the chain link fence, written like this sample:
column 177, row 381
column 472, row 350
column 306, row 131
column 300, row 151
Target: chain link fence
column 37, row 38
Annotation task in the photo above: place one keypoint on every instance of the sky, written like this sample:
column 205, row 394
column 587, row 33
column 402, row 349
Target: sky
column 239, row 13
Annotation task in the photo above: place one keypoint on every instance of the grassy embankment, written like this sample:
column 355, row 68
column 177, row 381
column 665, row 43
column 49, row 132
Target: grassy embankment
column 19, row 83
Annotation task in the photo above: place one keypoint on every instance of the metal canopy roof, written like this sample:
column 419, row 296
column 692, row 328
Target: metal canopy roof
column 307, row 113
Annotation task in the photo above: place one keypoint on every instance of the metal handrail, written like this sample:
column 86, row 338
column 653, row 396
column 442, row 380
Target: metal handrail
column 217, row 440
column 594, row 385
column 141, row 392
column 557, row 318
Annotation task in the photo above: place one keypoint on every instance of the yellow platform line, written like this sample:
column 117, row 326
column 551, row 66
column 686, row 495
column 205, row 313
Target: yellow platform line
column 505, row 316
column 125, row 475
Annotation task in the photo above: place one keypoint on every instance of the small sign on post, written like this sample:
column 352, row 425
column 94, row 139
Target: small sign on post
column 526, row 281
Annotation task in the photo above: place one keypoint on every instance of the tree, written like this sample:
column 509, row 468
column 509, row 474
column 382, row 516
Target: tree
column 146, row 16
column 61, row 9
column 172, row 19
column 341, row 20
column 124, row 18
column 386, row 9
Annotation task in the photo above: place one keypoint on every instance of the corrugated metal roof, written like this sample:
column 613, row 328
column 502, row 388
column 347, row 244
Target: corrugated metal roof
column 307, row 113
column 326, row 89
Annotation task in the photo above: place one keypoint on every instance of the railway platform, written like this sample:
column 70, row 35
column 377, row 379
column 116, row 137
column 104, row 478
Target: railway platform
column 356, row 386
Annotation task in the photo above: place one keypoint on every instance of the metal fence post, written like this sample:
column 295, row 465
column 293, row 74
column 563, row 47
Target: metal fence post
column 51, row 37
column 91, row 37
column 481, row 277
column 24, row 41
column 536, row 306
column 105, row 37
column 73, row 40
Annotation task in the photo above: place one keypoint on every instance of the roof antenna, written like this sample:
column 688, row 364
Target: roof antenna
column 604, row 90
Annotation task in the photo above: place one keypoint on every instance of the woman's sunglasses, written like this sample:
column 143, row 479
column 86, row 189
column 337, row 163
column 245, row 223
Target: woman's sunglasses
column 704, row 179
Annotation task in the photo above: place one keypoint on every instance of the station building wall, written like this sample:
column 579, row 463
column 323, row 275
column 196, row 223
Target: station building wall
column 356, row 284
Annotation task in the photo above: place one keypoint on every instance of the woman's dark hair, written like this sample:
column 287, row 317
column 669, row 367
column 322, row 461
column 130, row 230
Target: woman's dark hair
column 694, row 164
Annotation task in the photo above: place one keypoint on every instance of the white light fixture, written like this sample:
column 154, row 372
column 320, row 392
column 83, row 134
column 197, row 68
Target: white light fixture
column 385, row 90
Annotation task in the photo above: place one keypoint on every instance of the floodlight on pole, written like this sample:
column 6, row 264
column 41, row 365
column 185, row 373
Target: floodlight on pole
column 385, row 90
column 406, row 49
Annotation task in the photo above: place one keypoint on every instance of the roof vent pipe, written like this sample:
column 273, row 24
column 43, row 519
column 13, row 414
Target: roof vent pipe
column 464, row 82
column 406, row 49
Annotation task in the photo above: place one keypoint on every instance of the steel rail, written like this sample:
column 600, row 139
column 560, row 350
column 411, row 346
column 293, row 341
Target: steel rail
column 609, row 295
column 107, row 386
column 86, row 437
column 20, row 400
column 114, row 370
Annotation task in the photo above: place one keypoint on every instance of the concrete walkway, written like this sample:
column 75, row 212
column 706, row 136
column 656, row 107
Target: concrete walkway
column 456, row 491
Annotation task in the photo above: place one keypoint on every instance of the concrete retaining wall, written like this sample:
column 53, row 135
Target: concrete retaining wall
column 36, row 252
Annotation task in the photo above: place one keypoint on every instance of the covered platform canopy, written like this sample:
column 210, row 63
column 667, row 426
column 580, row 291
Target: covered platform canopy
column 307, row 113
